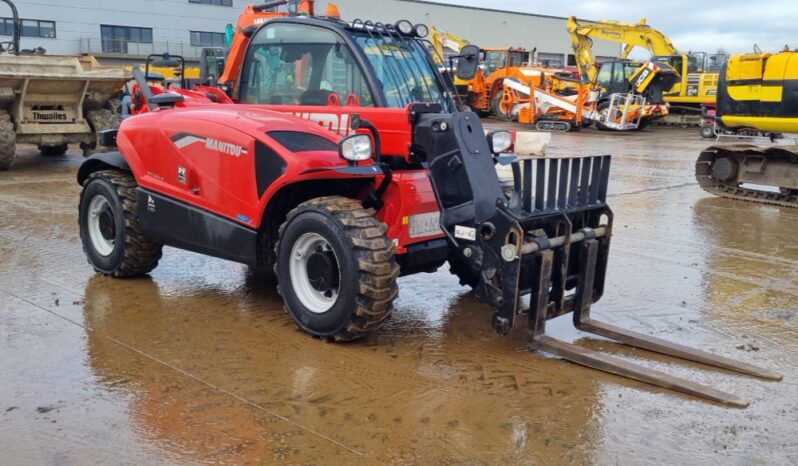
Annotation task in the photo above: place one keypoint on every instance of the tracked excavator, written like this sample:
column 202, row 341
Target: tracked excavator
column 697, row 80
column 649, row 80
column 756, row 92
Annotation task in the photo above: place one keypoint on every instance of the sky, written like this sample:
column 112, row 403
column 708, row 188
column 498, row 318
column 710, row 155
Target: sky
column 695, row 25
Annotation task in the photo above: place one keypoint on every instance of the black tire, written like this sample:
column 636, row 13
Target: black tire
column 8, row 139
column 53, row 151
column 708, row 131
column 132, row 254
column 99, row 120
column 643, row 125
column 495, row 107
column 459, row 268
column 367, row 272
column 599, row 125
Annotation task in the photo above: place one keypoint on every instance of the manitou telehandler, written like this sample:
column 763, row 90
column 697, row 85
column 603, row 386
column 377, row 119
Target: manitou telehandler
column 343, row 165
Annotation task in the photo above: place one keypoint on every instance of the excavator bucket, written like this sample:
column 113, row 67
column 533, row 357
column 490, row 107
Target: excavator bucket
column 542, row 251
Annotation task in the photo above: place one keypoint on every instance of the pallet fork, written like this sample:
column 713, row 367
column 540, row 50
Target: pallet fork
column 549, row 241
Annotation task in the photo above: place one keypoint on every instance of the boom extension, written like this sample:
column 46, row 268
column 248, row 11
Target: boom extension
column 549, row 242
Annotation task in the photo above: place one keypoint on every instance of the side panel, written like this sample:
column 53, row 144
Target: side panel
column 177, row 224
column 394, row 125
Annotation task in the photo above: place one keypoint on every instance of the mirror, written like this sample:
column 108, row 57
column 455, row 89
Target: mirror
column 166, row 61
column 467, row 62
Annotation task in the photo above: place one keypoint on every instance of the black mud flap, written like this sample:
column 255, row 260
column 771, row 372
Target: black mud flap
column 542, row 251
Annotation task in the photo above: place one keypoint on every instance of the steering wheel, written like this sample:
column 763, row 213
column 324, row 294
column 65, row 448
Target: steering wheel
column 7, row 47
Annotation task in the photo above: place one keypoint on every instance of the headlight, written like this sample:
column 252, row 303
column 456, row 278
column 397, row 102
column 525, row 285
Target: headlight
column 404, row 27
column 355, row 148
column 421, row 30
column 499, row 141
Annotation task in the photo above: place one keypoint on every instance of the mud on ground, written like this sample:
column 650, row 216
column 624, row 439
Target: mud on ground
column 200, row 364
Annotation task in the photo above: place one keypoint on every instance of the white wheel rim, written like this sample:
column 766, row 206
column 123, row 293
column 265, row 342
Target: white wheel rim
column 316, row 301
column 99, row 206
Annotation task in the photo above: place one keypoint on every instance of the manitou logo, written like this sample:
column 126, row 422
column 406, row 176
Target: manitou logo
column 49, row 116
column 183, row 140
column 224, row 147
column 330, row 121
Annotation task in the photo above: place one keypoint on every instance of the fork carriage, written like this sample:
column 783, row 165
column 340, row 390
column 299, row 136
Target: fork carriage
column 548, row 241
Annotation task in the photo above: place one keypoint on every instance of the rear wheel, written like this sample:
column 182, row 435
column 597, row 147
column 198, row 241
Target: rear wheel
column 8, row 146
column 496, row 106
column 335, row 268
column 110, row 229
column 53, row 151
column 99, row 120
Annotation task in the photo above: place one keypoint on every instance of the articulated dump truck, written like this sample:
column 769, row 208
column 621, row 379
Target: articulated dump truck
column 52, row 101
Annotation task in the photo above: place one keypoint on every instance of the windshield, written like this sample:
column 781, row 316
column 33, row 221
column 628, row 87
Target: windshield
column 517, row 58
column 402, row 69
column 294, row 64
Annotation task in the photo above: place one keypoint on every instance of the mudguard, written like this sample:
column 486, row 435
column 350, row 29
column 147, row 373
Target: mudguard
column 99, row 162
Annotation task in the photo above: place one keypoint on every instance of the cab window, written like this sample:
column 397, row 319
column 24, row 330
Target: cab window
column 516, row 59
column 605, row 74
column 494, row 60
column 290, row 64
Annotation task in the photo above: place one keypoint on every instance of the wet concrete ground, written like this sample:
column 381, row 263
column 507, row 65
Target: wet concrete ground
column 200, row 364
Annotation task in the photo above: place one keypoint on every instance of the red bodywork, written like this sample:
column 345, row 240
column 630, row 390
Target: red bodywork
column 225, row 184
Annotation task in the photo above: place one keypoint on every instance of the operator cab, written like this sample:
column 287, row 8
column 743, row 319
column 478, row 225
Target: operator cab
column 319, row 62
column 497, row 59
column 613, row 76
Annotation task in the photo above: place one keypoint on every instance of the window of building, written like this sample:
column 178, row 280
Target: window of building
column 213, row 2
column 207, row 39
column 553, row 60
column 115, row 39
column 30, row 28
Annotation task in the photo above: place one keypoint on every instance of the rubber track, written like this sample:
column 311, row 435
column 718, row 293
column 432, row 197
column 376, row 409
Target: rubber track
column 718, row 188
column 374, row 254
column 141, row 255
column 7, row 141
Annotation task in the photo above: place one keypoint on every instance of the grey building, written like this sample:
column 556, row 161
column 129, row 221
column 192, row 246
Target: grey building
column 117, row 31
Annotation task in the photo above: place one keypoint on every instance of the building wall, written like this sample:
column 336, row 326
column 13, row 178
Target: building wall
column 483, row 27
column 78, row 23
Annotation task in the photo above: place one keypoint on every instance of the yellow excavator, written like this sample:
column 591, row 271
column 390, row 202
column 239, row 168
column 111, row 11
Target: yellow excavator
column 756, row 92
column 698, row 77
column 444, row 45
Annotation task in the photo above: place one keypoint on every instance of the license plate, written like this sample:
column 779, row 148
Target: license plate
column 425, row 224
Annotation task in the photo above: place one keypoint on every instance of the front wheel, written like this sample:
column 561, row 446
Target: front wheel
column 335, row 268
column 110, row 229
column 708, row 131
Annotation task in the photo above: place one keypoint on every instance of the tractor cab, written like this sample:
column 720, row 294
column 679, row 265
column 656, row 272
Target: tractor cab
column 649, row 79
column 314, row 62
column 497, row 59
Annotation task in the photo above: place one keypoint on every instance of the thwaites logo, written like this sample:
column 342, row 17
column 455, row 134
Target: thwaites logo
column 330, row 121
column 183, row 140
column 39, row 115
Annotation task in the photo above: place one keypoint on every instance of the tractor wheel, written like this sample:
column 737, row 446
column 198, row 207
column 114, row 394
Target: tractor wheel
column 8, row 146
column 99, row 120
column 602, row 108
column 496, row 107
column 643, row 125
column 708, row 131
column 110, row 228
column 335, row 268
column 463, row 271
column 53, row 151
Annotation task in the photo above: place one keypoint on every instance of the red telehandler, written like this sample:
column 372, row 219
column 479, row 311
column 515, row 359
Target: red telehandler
column 342, row 165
